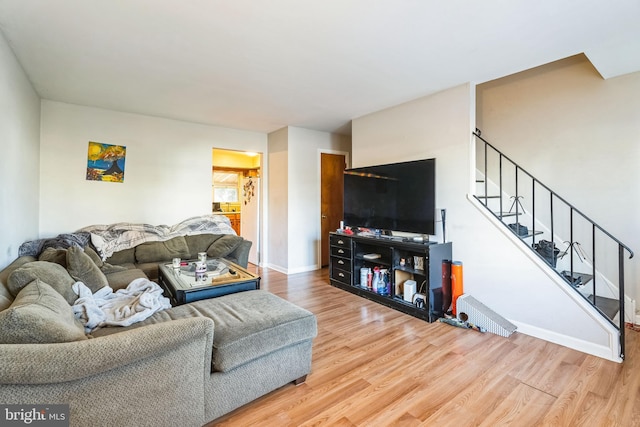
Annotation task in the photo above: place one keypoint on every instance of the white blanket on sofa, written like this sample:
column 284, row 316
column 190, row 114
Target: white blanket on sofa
column 124, row 307
column 108, row 239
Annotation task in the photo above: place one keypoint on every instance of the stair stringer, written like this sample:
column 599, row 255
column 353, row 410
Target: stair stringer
column 611, row 351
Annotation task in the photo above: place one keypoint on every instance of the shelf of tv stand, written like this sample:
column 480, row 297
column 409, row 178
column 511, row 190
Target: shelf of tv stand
column 377, row 261
column 388, row 301
column 346, row 254
column 410, row 270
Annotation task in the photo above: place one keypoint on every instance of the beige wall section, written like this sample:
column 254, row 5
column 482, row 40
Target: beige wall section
column 167, row 174
column 19, row 164
column 294, row 202
column 578, row 134
column 277, row 203
column 496, row 272
column 304, row 193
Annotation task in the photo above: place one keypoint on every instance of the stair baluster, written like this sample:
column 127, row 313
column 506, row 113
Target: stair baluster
column 575, row 279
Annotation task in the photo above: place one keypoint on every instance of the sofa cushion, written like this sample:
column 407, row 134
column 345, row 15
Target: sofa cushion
column 51, row 273
column 59, row 256
column 82, row 268
column 162, row 251
column 120, row 279
column 247, row 325
column 224, row 246
column 6, row 298
column 125, row 256
column 200, row 243
column 39, row 314
column 251, row 324
column 112, row 268
column 150, row 269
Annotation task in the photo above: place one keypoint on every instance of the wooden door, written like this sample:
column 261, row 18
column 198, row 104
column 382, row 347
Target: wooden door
column 331, row 198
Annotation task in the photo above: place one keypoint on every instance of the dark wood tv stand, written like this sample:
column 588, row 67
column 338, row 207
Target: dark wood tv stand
column 347, row 257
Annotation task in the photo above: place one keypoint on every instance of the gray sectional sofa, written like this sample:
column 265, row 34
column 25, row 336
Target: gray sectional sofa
column 186, row 365
column 146, row 256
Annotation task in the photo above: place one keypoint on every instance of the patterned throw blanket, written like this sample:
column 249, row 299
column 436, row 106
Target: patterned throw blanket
column 108, row 239
column 61, row 241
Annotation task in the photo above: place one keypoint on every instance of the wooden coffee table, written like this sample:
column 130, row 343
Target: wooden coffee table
column 223, row 277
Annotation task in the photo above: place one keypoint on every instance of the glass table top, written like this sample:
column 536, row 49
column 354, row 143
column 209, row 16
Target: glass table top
column 219, row 272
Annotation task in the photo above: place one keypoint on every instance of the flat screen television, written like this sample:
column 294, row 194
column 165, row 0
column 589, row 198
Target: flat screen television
column 392, row 197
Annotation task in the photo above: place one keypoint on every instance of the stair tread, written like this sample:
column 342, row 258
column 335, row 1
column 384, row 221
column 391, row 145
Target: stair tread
column 531, row 234
column 583, row 277
column 583, row 283
column 610, row 307
column 505, row 214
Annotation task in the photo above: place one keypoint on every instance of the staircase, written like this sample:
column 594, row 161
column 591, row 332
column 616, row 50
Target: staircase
column 584, row 255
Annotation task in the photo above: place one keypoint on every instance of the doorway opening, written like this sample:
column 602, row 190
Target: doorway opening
column 332, row 166
column 236, row 192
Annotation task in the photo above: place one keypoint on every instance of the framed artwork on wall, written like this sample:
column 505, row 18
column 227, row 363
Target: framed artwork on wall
column 105, row 162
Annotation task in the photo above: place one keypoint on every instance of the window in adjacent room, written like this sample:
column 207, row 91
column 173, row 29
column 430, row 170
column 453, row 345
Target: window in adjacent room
column 225, row 187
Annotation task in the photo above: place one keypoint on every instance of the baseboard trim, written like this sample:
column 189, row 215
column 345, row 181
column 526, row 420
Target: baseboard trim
column 287, row 271
column 304, row 269
column 605, row 352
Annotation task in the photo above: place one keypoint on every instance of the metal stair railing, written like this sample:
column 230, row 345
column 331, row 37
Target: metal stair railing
column 557, row 218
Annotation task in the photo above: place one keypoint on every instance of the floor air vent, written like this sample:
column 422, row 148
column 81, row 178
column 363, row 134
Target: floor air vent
column 480, row 315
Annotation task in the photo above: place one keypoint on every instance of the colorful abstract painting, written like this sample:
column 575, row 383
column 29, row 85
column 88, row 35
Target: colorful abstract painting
column 105, row 162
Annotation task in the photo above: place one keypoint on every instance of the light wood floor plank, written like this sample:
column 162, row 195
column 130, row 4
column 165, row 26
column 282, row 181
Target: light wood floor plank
column 374, row 366
column 525, row 406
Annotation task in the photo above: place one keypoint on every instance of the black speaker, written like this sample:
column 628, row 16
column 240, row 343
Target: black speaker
column 435, row 302
column 446, row 285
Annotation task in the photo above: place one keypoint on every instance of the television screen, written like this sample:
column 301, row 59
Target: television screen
column 392, row 197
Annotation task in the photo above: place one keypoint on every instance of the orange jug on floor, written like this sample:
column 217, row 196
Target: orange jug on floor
column 457, row 287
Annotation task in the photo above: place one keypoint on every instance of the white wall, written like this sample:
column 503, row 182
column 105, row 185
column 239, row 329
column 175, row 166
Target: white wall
column 167, row 171
column 433, row 127
column 580, row 135
column 495, row 271
column 277, row 241
column 19, row 167
column 305, row 147
column 294, row 199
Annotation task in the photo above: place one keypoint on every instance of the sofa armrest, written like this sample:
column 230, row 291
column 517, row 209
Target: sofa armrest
column 57, row 363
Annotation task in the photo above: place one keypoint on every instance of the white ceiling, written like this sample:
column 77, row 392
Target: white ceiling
column 264, row 64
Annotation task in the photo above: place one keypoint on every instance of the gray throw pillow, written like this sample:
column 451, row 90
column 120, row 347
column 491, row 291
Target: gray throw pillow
column 94, row 256
column 49, row 272
column 6, row 297
column 39, row 314
column 59, row 256
column 82, row 268
column 224, row 246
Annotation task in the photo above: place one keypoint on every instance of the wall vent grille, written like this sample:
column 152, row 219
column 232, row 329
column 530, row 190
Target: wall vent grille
column 480, row 315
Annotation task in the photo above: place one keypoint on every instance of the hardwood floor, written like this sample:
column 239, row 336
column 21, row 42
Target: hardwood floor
column 374, row 366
